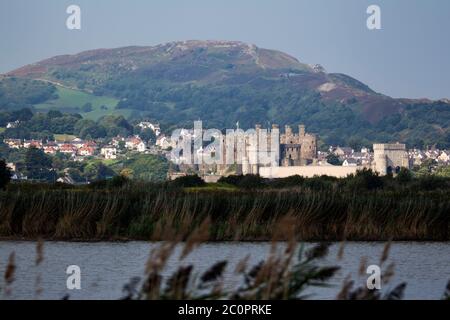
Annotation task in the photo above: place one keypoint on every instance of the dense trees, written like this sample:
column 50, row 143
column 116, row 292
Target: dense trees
column 334, row 160
column 24, row 114
column 115, row 125
column 17, row 133
column 261, row 101
column 404, row 175
column 422, row 125
column 5, row 174
column 88, row 129
column 45, row 125
column 143, row 167
column 107, row 126
column 188, row 182
column 97, row 170
column 363, row 181
column 245, row 181
column 38, row 166
column 54, row 122
column 147, row 135
column 17, row 93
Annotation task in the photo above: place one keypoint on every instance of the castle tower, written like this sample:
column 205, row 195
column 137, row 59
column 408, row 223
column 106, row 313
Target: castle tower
column 390, row 157
column 301, row 130
column 288, row 130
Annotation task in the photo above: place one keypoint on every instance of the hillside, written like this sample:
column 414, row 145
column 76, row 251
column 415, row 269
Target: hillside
column 71, row 100
column 223, row 82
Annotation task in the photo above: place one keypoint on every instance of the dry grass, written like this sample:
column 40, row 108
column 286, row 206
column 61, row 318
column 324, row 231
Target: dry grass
column 161, row 214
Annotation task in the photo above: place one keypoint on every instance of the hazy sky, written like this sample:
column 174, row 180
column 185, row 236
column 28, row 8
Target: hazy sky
column 409, row 57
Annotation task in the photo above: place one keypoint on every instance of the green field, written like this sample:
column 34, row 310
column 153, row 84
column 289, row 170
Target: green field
column 64, row 137
column 70, row 100
column 219, row 187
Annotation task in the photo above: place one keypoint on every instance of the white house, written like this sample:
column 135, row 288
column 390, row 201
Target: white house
column 109, row 152
column 350, row 162
column 77, row 142
column 141, row 147
column 14, row 124
column 68, row 149
column 11, row 166
column 32, row 143
column 13, row 143
column 148, row 125
column 86, row 151
column 365, row 150
column 432, row 154
column 50, row 149
column 164, row 142
column 135, row 143
column 117, row 140
column 343, row 152
column 444, row 156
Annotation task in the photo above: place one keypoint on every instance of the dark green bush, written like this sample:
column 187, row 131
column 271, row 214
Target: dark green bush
column 189, row 181
column 5, row 174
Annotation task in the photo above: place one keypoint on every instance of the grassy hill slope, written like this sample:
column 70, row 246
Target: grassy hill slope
column 224, row 82
column 70, row 100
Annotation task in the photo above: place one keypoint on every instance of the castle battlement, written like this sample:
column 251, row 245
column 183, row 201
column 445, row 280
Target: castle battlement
column 389, row 146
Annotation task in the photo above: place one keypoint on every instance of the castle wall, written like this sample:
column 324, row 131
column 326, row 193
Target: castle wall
column 307, row 171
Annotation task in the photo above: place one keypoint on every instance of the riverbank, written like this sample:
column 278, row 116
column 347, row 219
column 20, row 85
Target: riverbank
column 158, row 213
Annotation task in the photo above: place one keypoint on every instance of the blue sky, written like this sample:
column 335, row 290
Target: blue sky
column 409, row 57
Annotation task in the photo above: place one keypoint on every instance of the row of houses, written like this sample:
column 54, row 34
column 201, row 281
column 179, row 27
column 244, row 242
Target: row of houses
column 74, row 147
column 417, row 157
column 349, row 157
column 81, row 148
column 134, row 143
column 131, row 143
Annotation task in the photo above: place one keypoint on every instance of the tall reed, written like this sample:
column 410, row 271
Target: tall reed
column 157, row 213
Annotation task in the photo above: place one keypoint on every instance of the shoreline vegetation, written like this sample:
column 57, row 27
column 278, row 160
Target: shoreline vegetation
column 363, row 207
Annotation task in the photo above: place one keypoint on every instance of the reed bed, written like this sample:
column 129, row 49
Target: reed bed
column 149, row 212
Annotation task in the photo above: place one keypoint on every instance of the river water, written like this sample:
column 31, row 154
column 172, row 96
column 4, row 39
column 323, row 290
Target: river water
column 106, row 267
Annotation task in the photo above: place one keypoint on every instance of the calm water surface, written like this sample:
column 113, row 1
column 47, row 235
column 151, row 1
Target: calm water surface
column 106, row 267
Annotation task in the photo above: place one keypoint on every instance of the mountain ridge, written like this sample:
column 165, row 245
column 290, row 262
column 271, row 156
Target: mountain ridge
column 131, row 58
column 225, row 82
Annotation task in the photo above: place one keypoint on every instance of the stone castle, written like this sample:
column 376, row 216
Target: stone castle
column 297, row 149
column 296, row 154
column 292, row 149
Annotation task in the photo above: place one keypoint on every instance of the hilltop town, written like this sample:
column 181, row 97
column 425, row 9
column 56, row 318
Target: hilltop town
column 298, row 154
column 75, row 160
